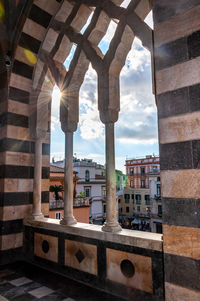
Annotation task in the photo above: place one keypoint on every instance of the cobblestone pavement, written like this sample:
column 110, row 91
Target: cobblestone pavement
column 24, row 282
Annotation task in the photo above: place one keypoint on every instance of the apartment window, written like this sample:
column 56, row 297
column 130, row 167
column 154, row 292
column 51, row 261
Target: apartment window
column 121, row 210
column 131, row 172
column 133, row 197
column 158, row 189
column 87, row 191
column 138, row 208
column 87, row 176
column 103, row 191
column 159, row 209
column 127, row 198
column 138, row 198
column 58, row 215
column 158, row 179
column 155, row 169
column 127, row 209
column 142, row 171
column 147, row 199
column 142, row 183
column 131, row 184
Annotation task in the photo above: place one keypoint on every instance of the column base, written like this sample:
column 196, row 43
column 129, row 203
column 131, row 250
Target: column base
column 111, row 227
column 36, row 216
column 68, row 221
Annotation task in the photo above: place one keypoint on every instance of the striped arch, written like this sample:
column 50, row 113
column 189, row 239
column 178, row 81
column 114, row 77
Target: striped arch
column 48, row 31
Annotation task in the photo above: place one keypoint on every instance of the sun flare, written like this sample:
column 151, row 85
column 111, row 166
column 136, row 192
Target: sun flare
column 56, row 94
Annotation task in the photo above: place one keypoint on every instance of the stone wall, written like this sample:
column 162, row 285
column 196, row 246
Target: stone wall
column 177, row 63
column 127, row 264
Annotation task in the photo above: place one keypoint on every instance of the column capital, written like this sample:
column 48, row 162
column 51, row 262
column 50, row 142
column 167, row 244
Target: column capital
column 40, row 133
column 68, row 126
column 109, row 116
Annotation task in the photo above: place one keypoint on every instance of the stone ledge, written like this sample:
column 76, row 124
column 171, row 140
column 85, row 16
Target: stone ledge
column 140, row 239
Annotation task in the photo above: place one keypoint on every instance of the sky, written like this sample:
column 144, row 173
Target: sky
column 136, row 129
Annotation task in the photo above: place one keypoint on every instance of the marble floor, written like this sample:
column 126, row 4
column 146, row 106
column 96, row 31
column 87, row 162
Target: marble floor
column 24, row 282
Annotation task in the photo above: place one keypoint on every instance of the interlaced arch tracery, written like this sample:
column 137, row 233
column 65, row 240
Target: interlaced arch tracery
column 49, row 31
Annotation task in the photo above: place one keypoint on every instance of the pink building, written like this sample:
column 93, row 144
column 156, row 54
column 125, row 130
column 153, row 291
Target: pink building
column 139, row 170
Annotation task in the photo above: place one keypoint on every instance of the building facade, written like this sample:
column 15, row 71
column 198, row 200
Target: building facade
column 56, row 206
column 121, row 180
column 134, row 208
column 139, row 170
column 156, row 202
column 92, row 184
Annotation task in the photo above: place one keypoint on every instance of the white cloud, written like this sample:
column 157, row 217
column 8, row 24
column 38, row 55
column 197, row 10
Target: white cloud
column 90, row 124
column 137, row 122
column 125, row 3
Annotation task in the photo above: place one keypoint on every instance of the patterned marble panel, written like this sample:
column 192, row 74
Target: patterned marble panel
column 81, row 256
column 129, row 269
column 46, row 246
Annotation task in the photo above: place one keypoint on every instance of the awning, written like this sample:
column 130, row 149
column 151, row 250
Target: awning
column 135, row 221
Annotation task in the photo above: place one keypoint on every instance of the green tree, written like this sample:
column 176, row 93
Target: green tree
column 56, row 189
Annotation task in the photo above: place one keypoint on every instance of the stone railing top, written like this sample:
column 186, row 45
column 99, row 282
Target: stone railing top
column 140, row 239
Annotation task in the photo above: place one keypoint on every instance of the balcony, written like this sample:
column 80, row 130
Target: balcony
column 124, row 263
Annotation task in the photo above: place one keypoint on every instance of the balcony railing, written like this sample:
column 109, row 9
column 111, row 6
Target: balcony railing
column 78, row 202
column 56, row 204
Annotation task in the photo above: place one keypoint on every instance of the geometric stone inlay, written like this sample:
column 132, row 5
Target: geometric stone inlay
column 127, row 268
column 20, row 281
column 45, row 246
column 79, row 255
column 40, row 292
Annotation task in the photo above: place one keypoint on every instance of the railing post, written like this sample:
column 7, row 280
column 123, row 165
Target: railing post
column 36, row 211
column 111, row 224
column 68, row 218
column 69, row 120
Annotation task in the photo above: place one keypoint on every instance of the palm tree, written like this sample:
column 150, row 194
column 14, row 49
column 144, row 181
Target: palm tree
column 56, row 189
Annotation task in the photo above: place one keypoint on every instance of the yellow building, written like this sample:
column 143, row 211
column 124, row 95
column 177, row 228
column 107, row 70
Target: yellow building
column 134, row 206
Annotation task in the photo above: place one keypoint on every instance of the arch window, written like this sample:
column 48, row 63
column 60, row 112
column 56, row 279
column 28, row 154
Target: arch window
column 87, row 176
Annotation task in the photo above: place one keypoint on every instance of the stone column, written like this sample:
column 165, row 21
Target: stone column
column 36, row 211
column 69, row 120
column 111, row 224
column 108, row 104
column 68, row 218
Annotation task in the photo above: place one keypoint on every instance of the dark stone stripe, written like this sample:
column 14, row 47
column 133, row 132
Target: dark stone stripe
column 22, row 69
column 162, row 10
column 11, row 255
column 21, row 198
column 29, row 43
column 182, row 271
column 180, row 155
column 13, row 119
column 178, row 51
column 181, row 101
column 11, row 227
column 181, row 212
column 171, row 54
column 21, row 172
column 40, row 16
column 45, row 197
column 45, row 149
column 194, row 45
column 14, row 145
column 19, row 95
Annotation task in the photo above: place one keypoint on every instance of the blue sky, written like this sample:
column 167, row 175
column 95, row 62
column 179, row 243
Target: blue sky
column 136, row 129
